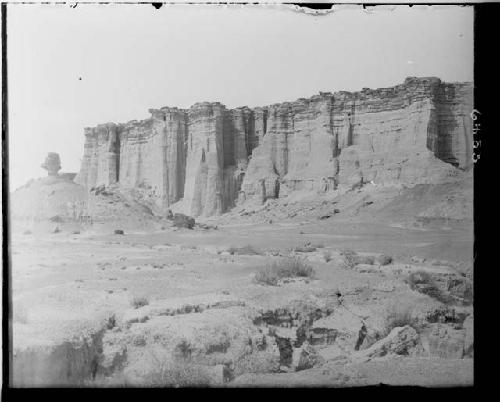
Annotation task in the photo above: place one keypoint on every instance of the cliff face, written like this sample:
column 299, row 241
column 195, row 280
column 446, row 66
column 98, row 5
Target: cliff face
column 211, row 157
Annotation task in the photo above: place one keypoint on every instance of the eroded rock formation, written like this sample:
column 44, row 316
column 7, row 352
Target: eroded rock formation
column 211, row 158
column 52, row 163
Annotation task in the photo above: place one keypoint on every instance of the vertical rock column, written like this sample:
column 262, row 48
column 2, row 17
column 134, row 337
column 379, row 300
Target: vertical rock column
column 88, row 168
column 176, row 125
column 100, row 164
column 170, row 124
column 241, row 135
column 450, row 130
column 140, row 153
column 205, row 160
column 207, row 154
column 323, row 165
column 270, row 159
column 109, row 152
column 260, row 125
column 310, row 155
column 280, row 126
column 111, row 171
column 239, row 140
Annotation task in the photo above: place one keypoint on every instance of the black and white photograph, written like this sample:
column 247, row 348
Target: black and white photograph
column 238, row 195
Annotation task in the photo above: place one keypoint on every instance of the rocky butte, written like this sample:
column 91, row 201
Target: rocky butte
column 208, row 158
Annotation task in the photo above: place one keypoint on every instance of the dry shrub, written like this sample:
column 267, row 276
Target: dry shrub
column 266, row 276
column 245, row 250
column 350, row 258
column 304, row 249
column 139, row 301
column 384, row 259
column 368, row 260
column 284, row 268
column 419, row 278
column 399, row 315
column 423, row 282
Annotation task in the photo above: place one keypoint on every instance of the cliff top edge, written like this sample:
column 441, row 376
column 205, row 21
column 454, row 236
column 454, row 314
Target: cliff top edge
column 207, row 106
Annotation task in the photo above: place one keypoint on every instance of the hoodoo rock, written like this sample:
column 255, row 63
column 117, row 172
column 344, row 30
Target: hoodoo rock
column 55, row 198
column 52, row 163
column 208, row 158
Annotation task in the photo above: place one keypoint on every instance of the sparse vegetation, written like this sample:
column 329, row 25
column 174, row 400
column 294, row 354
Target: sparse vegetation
column 304, row 249
column 245, row 250
column 423, row 282
column 284, row 268
column 419, row 278
column 384, row 259
column 350, row 258
column 368, row 260
column 399, row 316
column 267, row 276
column 139, row 301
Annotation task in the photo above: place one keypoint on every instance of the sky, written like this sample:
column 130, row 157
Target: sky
column 70, row 68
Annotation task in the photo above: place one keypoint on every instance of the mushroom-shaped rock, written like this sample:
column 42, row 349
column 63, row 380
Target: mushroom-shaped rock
column 52, row 163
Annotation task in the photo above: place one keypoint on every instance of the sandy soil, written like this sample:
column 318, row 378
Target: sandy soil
column 68, row 285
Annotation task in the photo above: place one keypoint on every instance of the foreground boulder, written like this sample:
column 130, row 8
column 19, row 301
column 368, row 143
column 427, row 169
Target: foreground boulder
column 400, row 341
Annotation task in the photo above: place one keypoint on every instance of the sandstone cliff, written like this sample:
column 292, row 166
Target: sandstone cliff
column 209, row 158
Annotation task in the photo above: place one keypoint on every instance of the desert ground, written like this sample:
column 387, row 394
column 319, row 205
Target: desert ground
column 337, row 292
column 209, row 218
